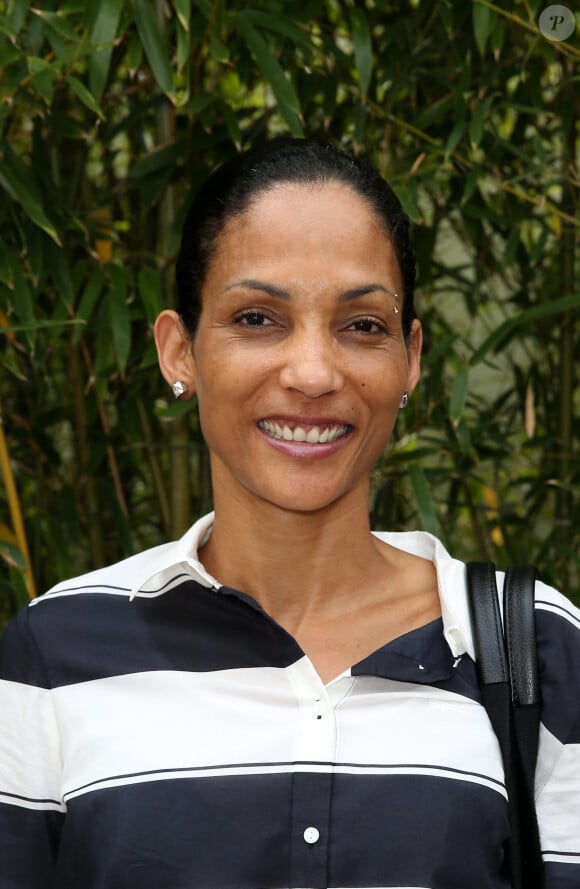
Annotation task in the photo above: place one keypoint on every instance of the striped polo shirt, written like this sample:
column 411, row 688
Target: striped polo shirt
column 160, row 731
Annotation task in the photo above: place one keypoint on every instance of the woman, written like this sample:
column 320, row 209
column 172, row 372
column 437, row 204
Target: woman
column 280, row 698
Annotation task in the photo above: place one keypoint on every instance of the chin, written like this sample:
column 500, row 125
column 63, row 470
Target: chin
column 304, row 501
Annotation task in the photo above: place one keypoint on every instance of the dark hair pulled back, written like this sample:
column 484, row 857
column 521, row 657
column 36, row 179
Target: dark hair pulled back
column 231, row 189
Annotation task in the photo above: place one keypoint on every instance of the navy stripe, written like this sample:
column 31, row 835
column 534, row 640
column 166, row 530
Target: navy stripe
column 20, row 659
column 390, row 833
column 189, row 628
column 559, row 875
column 559, row 655
column 29, row 847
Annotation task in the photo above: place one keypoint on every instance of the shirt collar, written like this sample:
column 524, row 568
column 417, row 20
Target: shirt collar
column 168, row 562
column 451, row 583
column 163, row 563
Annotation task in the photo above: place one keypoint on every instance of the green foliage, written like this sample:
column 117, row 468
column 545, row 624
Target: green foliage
column 112, row 111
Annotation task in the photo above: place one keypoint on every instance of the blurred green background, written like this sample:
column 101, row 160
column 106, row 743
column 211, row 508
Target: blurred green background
column 112, row 111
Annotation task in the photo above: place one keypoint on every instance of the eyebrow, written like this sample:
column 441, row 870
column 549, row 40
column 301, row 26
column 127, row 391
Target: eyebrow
column 280, row 293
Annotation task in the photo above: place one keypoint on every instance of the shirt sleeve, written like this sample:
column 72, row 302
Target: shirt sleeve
column 31, row 811
column 558, row 767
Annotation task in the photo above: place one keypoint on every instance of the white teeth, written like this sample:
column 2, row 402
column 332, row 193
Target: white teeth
column 312, row 436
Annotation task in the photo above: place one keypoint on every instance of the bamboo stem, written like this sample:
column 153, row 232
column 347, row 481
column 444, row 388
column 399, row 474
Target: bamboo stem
column 15, row 511
column 180, row 482
column 162, row 499
column 566, row 370
column 94, row 528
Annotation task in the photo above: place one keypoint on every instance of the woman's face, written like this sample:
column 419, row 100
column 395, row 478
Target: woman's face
column 299, row 360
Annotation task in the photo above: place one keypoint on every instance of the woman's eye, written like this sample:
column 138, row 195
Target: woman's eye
column 252, row 319
column 367, row 325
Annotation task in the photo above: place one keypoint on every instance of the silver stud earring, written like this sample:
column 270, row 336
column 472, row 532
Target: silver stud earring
column 178, row 388
column 404, row 399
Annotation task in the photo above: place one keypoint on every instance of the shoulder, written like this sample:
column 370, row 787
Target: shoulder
column 118, row 579
column 70, row 615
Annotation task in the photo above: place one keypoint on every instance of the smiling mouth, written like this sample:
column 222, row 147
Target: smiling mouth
column 322, row 434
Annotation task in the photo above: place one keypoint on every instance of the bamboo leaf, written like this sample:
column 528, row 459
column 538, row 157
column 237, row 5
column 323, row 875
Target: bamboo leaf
column 156, row 51
column 151, row 292
column 84, row 95
column 455, row 136
column 119, row 315
column 363, row 50
column 482, row 23
column 58, row 23
column 27, row 196
column 280, row 25
column 59, row 265
column 476, row 125
column 103, row 32
column 535, row 313
column 423, row 499
column 160, row 158
column 183, row 12
column 23, row 301
column 458, row 395
column 42, row 76
column 88, row 302
column 12, row 555
column 232, row 125
column 37, row 325
column 134, row 52
column 286, row 98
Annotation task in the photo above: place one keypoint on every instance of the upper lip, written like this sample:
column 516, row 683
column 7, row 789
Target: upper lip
column 304, row 421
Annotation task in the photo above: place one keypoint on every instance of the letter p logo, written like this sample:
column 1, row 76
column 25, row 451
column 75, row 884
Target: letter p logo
column 557, row 22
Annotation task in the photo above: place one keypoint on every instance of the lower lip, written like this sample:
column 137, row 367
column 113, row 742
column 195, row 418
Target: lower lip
column 304, row 449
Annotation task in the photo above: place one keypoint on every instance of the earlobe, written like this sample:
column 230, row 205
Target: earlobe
column 174, row 352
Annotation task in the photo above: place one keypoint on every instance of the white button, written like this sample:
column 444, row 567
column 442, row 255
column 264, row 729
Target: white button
column 311, row 835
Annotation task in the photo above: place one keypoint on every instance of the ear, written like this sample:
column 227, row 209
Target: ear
column 174, row 351
column 414, row 345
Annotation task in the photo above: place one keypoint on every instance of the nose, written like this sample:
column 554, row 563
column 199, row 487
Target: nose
column 311, row 365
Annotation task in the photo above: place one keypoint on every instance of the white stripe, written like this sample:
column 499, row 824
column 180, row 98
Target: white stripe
column 563, row 612
column 30, row 763
column 549, row 752
column 147, row 722
column 558, row 805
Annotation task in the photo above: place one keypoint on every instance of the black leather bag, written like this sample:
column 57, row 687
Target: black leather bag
column 507, row 665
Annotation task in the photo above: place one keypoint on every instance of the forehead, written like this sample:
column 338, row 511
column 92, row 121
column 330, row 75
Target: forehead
column 330, row 201
column 329, row 226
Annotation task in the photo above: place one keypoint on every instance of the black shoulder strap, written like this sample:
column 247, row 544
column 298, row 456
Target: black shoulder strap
column 508, row 673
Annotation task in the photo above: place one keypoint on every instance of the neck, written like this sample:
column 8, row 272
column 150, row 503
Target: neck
column 297, row 565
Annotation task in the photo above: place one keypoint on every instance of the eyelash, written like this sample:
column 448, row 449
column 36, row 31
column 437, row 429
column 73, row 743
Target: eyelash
column 380, row 328
column 245, row 316
column 250, row 313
